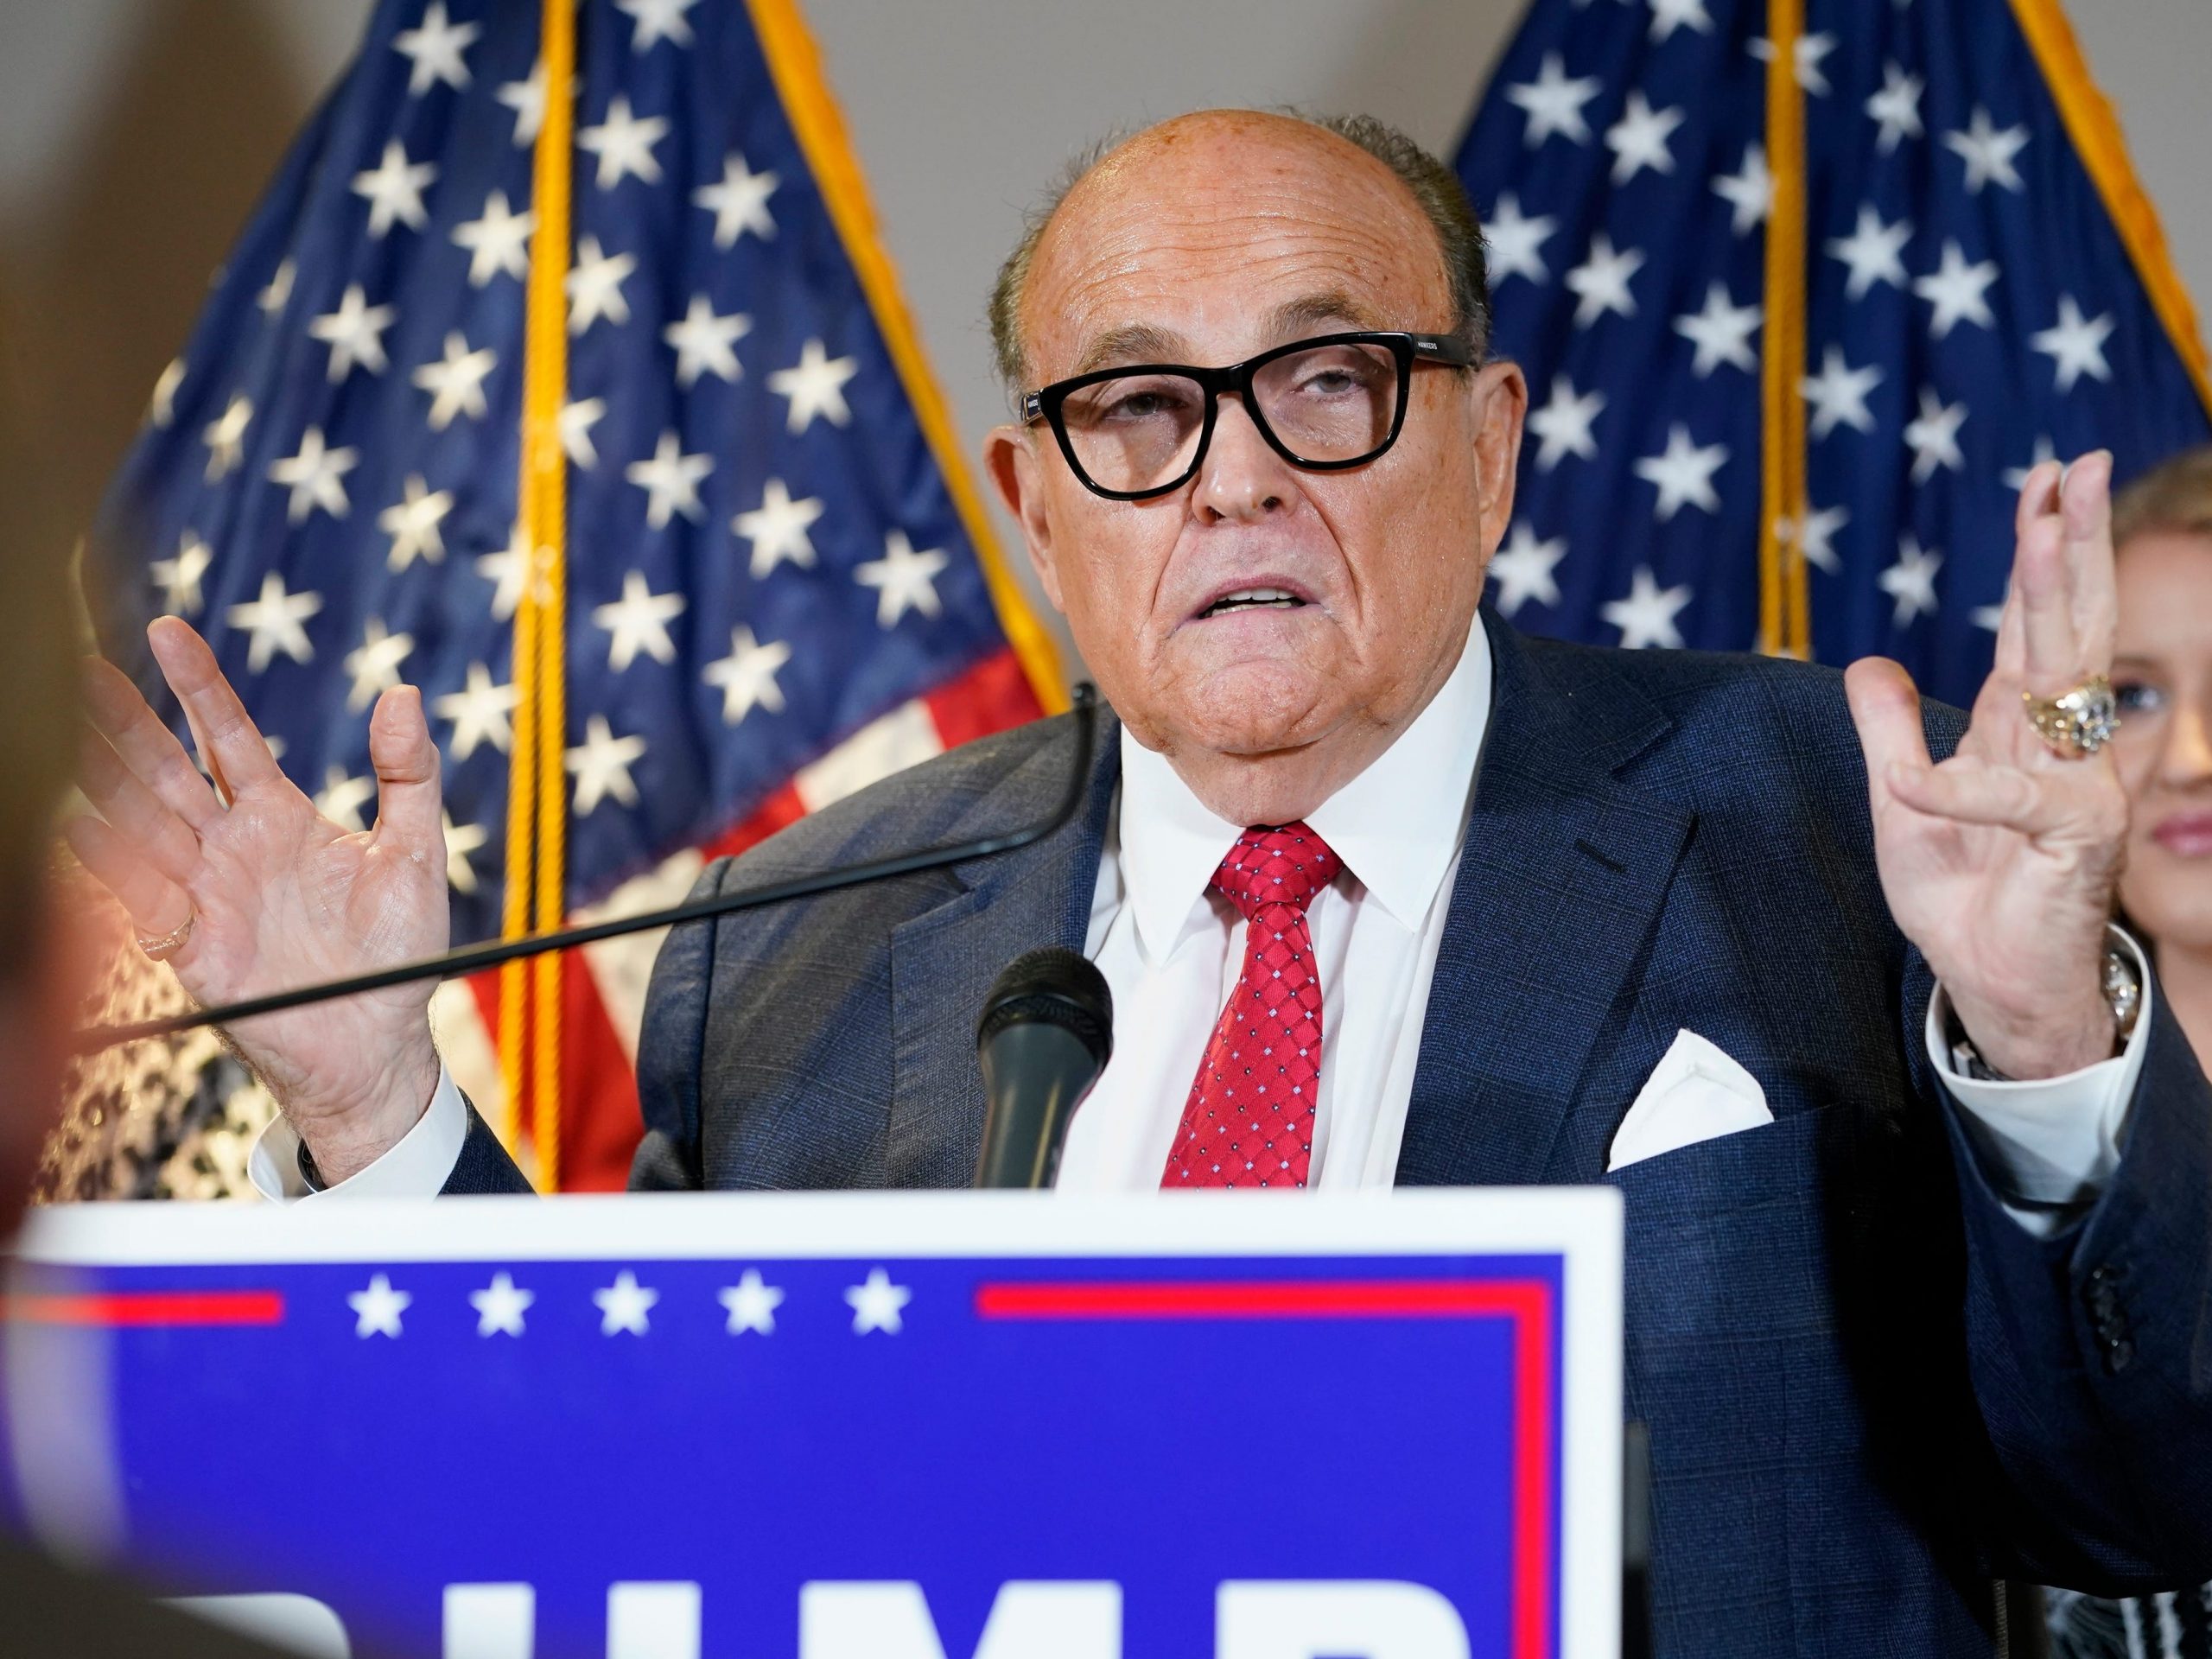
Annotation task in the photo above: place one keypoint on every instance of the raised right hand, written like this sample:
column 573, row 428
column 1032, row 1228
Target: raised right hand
column 277, row 895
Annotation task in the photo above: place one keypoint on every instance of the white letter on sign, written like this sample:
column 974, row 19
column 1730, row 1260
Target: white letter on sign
column 1370, row 1618
column 1034, row 1620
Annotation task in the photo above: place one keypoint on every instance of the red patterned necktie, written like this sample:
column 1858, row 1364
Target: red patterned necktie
column 1250, row 1120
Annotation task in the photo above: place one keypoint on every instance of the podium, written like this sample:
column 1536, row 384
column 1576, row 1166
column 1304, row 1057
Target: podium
column 925, row 1426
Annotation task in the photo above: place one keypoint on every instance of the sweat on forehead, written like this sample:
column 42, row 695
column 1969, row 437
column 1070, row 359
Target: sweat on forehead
column 1267, row 212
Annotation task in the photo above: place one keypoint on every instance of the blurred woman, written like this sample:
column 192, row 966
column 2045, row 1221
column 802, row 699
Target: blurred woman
column 2162, row 674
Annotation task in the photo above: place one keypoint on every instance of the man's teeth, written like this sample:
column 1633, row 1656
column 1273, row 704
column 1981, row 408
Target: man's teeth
column 1280, row 598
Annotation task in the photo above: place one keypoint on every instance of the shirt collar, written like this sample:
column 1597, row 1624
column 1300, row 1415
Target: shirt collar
column 1397, row 826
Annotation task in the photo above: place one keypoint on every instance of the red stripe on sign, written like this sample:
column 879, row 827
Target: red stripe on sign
column 1527, row 1302
column 149, row 1307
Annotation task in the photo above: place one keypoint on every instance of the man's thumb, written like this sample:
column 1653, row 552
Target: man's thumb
column 406, row 763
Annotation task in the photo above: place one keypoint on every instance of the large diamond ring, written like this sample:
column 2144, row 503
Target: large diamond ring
column 169, row 944
column 2080, row 722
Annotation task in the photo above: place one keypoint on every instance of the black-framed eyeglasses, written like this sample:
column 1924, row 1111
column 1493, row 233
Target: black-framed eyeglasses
column 1326, row 403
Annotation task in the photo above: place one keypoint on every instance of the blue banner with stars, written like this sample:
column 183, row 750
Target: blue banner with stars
column 1971, row 307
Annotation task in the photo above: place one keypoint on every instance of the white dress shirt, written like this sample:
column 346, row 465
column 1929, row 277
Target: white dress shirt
column 1171, row 949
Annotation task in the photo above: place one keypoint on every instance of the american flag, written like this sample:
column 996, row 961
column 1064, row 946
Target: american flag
column 779, row 586
column 1982, row 286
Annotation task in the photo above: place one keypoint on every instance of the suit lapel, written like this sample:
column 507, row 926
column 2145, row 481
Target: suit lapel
column 1564, row 874
column 943, row 961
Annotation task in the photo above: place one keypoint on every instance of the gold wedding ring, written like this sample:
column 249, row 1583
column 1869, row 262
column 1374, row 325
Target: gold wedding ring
column 2078, row 722
column 169, row 944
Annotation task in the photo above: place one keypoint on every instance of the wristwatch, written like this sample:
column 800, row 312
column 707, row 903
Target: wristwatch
column 2123, row 989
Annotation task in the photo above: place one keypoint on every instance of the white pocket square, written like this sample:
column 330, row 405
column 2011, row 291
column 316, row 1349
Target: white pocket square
column 1695, row 1093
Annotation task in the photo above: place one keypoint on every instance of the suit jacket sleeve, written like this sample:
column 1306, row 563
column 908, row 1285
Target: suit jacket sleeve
column 483, row 1166
column 670, row 1050
column 2091, row 1350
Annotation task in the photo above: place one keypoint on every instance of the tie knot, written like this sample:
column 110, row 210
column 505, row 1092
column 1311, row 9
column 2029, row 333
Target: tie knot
column 1285, row 865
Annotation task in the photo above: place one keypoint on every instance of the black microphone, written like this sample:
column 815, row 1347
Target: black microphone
column 474, row 958
column 1045, row 1033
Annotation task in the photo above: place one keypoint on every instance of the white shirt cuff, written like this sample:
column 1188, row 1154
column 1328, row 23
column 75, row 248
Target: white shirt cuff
column 2051, row 1145
column 417, row 1168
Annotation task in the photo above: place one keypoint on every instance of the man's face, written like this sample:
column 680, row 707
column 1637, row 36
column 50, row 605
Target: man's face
column 1206, row 241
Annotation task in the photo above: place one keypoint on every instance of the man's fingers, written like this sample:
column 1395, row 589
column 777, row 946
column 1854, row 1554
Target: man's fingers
column 135, row 812
column 1966, row 792
column 2085, row 515
column 146, row 746
column 406, row 762
column 156, row 903
column 1886, row 707
column 231, row 744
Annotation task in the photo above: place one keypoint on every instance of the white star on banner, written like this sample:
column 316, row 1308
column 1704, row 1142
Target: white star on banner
column 877, row 1304
column 377, row 1310
column 412, row 523
column 1646, row 616
column 273, row 297
column 623, row 1306
column 1911, row 580
column 1638, row 139
column 671, row 480
column 500, row 1307
column 160, row 408
column 1988, row 618
column 1838, row 394
column 746, row 677
column 1667, row 15
column 479, row 712
column 1562, row 425
column 624, row 144
column 752, row 1303
column 776, row 528
column 1721, row 332
column 373, row 664
column 1600, row 283
column 815, row 386
column 739, row 202
column 462, row 840
column 1683, row 473
column 2016, row 478
column 706, row 344
column 1553, row 102
column 2076, row 344
column 506, row 570
column 1750, row 191
column 1811, row 50
column 903, row 578
column 341, row 798
column 1989, row 152
column 638, row 621
column 601, row 766
column 594, row 286
column 1933, row 438
column 575, row 421
column 1815, row 538
column 225, row 437
column 1873, row 250
column 317, row 477
column 1513, row 241
column 455, row 382
column 658, row 20
column 179, row 578
column 434, row 51
column 527, row 99
column 498, row 241
column 1896, row 107
column 354, row 333
column 1958, row 292
column 394, row 190
column 1523, row 569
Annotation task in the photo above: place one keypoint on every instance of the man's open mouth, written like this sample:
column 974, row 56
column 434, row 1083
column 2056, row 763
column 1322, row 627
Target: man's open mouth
column 1248, row 598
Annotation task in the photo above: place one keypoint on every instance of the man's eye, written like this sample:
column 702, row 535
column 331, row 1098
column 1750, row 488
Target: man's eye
column 1141, row 406
column 2138, row 697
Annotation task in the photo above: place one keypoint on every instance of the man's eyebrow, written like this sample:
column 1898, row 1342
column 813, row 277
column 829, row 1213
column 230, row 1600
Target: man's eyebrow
column 1294, row 317
column 1135, row 342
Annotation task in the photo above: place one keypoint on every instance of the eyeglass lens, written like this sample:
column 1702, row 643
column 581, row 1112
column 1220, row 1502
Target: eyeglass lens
column 1332, row 403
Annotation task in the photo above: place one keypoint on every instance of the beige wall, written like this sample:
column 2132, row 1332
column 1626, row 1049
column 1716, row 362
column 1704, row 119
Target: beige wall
column 134, row 135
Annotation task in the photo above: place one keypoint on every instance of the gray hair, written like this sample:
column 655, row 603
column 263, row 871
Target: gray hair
column 1434, row 188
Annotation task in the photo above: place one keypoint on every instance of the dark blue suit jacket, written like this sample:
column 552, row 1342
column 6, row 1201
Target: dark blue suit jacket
column 1869, row 1391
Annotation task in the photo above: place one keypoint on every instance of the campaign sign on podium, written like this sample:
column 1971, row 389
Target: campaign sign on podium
column 1003, row 1426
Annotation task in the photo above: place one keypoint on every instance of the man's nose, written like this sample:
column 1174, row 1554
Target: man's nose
column 1240, row 478
column 2187, row 758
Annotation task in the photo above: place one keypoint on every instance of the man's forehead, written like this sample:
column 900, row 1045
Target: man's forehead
column 1154, row 342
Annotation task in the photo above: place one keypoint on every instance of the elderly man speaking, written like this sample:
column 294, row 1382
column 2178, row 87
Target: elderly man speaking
column 1918, row 1166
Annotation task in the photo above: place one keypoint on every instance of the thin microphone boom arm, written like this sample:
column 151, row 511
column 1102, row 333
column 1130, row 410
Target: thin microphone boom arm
column 474, row 958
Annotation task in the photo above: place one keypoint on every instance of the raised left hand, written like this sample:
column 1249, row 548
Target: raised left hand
column 2001, row 863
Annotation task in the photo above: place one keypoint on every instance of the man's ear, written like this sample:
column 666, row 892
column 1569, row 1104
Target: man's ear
column 1501, row 397
column 1010, row 459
